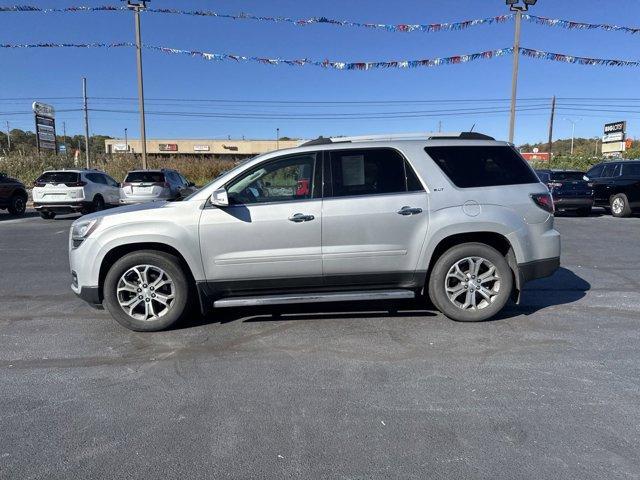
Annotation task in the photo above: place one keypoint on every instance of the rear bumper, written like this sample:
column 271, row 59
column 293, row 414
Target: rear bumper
column 568, row 203
column 135, row 200
column 62, row 207
column 538, row 269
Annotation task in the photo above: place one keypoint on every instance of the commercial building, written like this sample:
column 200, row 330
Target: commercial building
column 226, row 149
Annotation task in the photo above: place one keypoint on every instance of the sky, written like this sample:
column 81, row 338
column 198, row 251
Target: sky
column 49, row 74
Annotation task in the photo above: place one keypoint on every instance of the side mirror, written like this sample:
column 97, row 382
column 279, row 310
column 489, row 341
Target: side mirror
column 219, row 198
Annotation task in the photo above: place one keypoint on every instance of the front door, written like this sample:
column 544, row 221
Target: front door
column 374, row 219
column 268, row 239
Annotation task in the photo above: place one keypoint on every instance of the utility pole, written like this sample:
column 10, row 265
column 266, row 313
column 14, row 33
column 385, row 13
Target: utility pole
column 277, row 138
column 514, row 6
column 553, row 114
column 8, row 137
column 137, row 7
column 66, row 148
column 86, row 121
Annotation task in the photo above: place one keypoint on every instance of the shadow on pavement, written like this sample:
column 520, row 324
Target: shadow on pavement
column 561, row 288
column 7, row 216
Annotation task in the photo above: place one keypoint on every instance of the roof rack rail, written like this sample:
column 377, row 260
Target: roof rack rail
column 399, row 136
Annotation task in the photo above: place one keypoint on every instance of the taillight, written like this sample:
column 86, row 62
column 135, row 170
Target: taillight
column 38, row 184
column 544, row 201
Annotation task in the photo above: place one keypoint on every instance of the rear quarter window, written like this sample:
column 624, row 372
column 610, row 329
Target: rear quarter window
column 482, row 166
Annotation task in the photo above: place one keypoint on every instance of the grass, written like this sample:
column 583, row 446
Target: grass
column 27, row 168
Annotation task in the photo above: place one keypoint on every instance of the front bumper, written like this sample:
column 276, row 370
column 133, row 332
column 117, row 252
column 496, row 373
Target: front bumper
column 62, row 207
column 91, row 295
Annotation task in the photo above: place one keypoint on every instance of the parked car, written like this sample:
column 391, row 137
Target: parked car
column 69, row 191
column 141, row 186
column 570, row 191
column 616, row 186
column 461, row 218
column 13, row 195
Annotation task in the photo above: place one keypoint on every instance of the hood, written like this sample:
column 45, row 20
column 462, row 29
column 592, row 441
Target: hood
column 140, row 207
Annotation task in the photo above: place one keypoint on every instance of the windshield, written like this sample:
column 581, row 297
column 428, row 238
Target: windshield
column 237, row 167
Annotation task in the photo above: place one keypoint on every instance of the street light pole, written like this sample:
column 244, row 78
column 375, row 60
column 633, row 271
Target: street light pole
column 126, row 141
column 515, row 6
column 137, row 7
column 86, row 122
column 277, row 138
column 8, row 137
column 573, row 131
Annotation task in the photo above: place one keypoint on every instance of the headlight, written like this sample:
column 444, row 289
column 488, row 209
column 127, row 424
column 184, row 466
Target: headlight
column 81, row 229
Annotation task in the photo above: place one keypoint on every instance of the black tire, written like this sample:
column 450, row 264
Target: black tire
column 584, row 212
column 167, row 262
column 47, row 215
column 98, row 203
column 17, row 205
column 438, row 281
column 619, row 205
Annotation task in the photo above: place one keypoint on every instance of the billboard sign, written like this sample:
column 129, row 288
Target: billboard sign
column 613, row 137
column 168, row 147
column 120, row 147
column 613, row 147
column 615, row 127
column 45, row 126
column 201, row 148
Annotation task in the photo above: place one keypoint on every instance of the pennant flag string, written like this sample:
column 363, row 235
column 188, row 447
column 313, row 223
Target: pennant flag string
column 427, row 62
column 572, row 25
column 401, row 27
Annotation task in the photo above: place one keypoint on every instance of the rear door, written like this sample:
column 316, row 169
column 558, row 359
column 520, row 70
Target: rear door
column 57, row 187
column 268, row 239
column 605, row 185
column 374, row 219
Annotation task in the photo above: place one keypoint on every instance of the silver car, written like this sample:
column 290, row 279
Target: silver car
column 142, row 186
column 459, row 218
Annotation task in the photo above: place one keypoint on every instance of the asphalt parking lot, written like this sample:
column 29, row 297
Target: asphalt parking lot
column 551, row 389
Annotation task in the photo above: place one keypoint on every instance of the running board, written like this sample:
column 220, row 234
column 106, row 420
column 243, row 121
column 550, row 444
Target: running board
column 314, row 298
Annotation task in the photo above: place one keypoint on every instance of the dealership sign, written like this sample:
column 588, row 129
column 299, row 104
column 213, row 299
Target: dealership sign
column 613, row 140
column 45, row 126
column 168, row 147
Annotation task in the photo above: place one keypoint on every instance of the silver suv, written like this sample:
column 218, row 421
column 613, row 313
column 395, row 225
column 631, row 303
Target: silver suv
column 459, row 218
column 141, row 186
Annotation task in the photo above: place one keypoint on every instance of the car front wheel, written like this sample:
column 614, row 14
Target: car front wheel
column 17, row 205
column 146, row 291
column 470, row 282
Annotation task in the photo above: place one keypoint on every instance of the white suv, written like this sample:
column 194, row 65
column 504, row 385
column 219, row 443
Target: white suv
column 459, row 218
column 69, row 191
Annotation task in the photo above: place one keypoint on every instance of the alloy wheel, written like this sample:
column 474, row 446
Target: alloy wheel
column 145, row 292
column 472, row 283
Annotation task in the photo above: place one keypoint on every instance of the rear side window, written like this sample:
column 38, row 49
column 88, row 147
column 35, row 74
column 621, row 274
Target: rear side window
column 371, row 172
column 610, row 170
column 631, row 169
column 482, row 166
column 96, row 178
column 145, row 177
column 59, row 177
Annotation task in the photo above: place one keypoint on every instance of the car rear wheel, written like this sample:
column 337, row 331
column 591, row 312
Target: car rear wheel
column 470, row 282
column 620, row 206
column 47, row 215
column 146, row 291
column 17, row 205
column 98, row 203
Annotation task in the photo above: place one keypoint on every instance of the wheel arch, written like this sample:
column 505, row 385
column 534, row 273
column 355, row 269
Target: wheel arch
column 119, row 251
column 493, row 239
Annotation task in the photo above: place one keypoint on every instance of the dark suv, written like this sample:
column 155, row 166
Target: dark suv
column 570, row 191
column 616, row 186
column 13, row 195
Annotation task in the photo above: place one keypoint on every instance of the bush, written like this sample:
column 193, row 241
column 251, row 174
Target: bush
column 569, row 163
column 198, row 170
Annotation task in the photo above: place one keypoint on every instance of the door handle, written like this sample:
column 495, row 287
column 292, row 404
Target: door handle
column 409, row 211
column 301, row 217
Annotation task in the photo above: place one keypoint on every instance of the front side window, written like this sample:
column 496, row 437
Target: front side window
column 286, row 180
column 370, row 172
column 482, row 166
column 595, row 172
